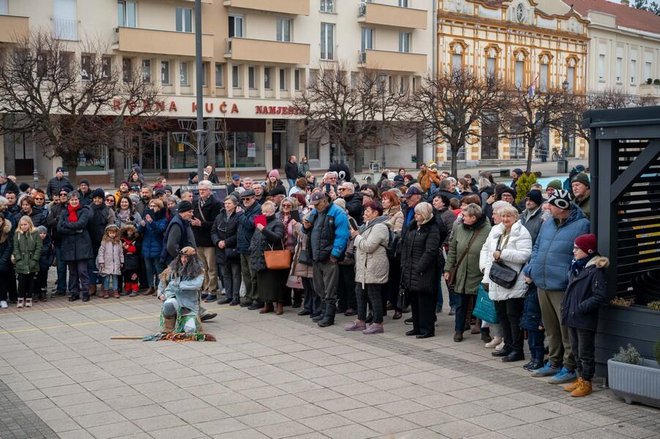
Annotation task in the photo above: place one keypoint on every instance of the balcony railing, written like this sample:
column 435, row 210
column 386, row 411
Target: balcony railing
column 13, row 28
column 394, row 16
column 65, row 29
column 394, row 61
column 293, row 7
column 267, row 51
column 161, row 42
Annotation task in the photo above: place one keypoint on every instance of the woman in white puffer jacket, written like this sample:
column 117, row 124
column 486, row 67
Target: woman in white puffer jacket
column 510, row 243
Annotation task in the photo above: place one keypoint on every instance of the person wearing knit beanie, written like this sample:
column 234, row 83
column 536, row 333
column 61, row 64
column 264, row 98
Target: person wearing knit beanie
column 561, row 199
column 98, row 193
column 587, row 243
column 535, row 196
column 581, row 187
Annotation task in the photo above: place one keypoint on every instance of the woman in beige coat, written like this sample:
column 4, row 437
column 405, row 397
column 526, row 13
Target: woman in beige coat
column 371, row 268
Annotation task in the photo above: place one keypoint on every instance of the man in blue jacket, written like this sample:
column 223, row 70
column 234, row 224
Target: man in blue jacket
column 548, row 268
column 327, row 227
column 246, row 229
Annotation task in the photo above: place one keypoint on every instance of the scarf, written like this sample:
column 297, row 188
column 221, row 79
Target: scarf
column 73, row 212
column 577, row 265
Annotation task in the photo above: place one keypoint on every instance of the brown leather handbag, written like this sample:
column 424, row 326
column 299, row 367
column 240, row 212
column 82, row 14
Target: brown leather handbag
column 277, row 259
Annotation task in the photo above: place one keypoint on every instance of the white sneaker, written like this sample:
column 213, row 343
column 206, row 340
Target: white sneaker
column 500, row 346
column 3, row 304
column 494, row 342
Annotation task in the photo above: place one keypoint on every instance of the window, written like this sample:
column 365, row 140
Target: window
column 65, row 19
column 126, row 13
column 283, row 80
column 633, row 71
column 543, row 77
column 519, row 74
column 327, row 41
column 235, row 26
column 146, row 70
column 314, row 150
column 571, row 79
column 235, row 77
column 106, row 66
column 490, row 67
column 165, row 72
column 219, row 75
column 367, row 39
column 85, row 67
column 205, row 73
column 648, row 70
column 456, row 62
column 601, row 67
column 403, row 4
column 268, row 72
column 4, row 7
column 619, row 67
column 252, row 78
column 184, row 22
column 42, row 64
column 284, row 29
column 296, row 80
column 127, row 69
column 327, row 6
column 184, row 79
column 405, row 38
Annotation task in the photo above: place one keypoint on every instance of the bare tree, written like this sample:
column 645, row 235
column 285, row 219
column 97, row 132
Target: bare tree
column 610, row 99
column 73, row 104
column 355, row 111
column 451, row 106
column 528, row 113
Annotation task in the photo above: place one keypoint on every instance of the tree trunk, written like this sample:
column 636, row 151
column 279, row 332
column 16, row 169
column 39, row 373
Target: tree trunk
column 530, row 152
column 419, row 145
column 351, row 161
column 118, row 158
column 454, row 160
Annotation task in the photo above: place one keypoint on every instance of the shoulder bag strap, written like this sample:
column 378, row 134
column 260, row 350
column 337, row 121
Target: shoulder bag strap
column 474, row 237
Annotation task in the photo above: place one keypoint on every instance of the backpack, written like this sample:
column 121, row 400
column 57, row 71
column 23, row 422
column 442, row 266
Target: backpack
column 392, row 245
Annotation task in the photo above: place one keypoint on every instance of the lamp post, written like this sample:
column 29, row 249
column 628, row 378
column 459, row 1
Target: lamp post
column 199, row 77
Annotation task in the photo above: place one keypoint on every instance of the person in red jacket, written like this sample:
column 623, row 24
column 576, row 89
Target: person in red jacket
column 130, row 270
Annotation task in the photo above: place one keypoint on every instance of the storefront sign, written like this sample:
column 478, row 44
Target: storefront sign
column 277, row 110
column 184, row 106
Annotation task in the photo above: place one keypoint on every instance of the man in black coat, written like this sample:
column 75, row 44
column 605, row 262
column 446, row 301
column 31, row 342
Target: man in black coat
column 206, row 208
column 291, row 171
column 6, row 185
column 84, row 192
column 353, row 201
column 246, row 228
column 57, row 206
column 57, row 183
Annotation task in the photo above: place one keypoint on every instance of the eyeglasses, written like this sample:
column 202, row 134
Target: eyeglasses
column 287, row 205
column 63, row 194
column 39, row 199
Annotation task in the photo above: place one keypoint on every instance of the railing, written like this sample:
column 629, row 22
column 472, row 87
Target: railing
column 363, row 10
column 362, row 57
column 65, row 29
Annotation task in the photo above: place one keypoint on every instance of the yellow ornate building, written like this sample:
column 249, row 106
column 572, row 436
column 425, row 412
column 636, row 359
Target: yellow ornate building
column 522, row 42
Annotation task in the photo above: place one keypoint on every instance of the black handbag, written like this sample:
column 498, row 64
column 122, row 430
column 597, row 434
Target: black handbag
column 501, row 274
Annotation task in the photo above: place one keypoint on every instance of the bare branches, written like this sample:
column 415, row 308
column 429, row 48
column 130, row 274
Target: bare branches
column 450, row 106
column 353, row 109
column 75, row 103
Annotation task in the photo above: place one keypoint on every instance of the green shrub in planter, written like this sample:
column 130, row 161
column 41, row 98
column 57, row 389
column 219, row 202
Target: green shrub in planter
column 629, row 355
column 656, row 82
column 631, row 377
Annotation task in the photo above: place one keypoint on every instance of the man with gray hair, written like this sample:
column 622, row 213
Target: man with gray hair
column 206, row 208
column 353, row 201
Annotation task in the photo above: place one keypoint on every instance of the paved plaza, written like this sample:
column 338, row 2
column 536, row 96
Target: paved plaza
column 272, row 377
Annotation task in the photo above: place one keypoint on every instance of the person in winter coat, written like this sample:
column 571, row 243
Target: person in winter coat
column 126, row 212
column 271, row 284
column 290, row 216
column 55, row 209
column 303, row 167
column 130, row 270
column 26, row 252
column 532, row 216
column 547, row 268
column 246, row 228
column 394, row 214
column 302, row 267
column 76, row 246
column 444, row 218
column 273, row 181
column 327, row 227
column 419, row 276
column 102, row 215
column 6, row 267
column 152, row 229
column 45, row 261
column 427, row 178
column 38, row 217
column 371, row 268
column 508, row 243
column 465, row 244
column 224, row 236
column 110, row 261
column 56, row 184
column 354, row 206
column 291, row 171
column 206, row 208
column 585, row 294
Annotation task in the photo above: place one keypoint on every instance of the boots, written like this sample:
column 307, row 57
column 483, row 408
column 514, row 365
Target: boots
column 279, row 309
column 20, row 302
column 168, row 324
column 101, row 291
column 28, row 302
column 268, row 307
column 329, row 317
column 150, row 292
column 574, row 385
column 318, row 316
column 583, row 389
column 92, row 290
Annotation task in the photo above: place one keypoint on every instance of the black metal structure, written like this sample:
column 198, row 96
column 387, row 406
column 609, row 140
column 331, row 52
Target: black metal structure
column 625, row 216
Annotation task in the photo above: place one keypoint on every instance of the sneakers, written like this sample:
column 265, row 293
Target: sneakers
column 494, row 342
column 452, row 311
column 500, row 346
column 28, row 303
column 583, row 388
column 374, row 328
column 3, row 304
column 458, row 336
column 20, row 303
column 564, row 376
column 547, row 370
column 357, row 325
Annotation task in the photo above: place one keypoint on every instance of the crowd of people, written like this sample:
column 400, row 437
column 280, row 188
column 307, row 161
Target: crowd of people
column 326, row 248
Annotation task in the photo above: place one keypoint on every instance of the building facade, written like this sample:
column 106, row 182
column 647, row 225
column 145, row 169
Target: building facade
column 257, row 55
column 624, row 49
column 524, row 43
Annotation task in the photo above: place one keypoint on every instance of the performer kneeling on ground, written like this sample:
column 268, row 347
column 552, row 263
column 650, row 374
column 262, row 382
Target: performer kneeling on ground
column 179, row 291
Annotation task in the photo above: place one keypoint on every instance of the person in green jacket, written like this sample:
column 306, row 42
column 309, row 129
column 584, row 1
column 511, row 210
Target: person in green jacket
column 27, row 250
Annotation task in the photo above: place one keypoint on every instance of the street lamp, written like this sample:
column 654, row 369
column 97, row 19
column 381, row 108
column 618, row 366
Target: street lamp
column 199, row 77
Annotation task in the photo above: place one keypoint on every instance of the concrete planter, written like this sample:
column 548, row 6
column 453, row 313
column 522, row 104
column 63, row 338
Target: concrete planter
column 635, row 383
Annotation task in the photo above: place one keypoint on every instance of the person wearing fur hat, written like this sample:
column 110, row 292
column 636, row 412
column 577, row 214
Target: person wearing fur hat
column 547, row 268
column 581, row 191
column 585, row 294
